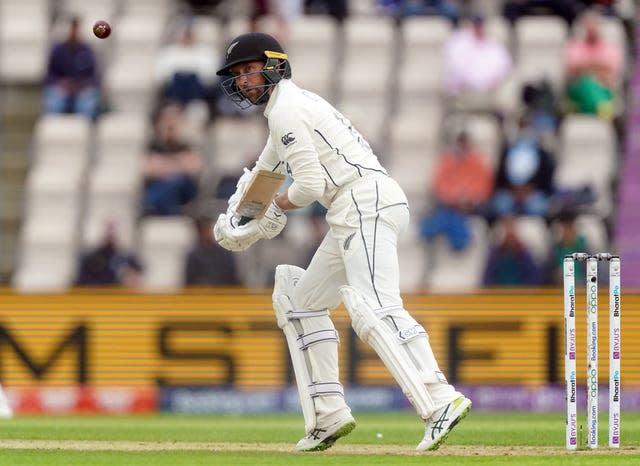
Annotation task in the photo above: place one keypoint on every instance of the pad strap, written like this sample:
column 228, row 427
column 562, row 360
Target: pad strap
column 317, row 389
column 293, row 315
column 309, row 339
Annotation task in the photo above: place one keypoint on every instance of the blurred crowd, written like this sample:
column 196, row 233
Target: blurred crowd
column 179, row 179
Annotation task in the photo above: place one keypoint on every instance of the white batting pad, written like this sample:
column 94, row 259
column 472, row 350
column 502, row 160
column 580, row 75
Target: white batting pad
column 313, row 345
column 388, row 345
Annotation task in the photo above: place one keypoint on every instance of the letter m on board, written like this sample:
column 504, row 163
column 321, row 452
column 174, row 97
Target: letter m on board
column 77, row 339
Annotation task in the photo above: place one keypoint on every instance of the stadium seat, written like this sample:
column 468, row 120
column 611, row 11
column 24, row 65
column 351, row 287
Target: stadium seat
column 498, row 29
column 129, row 85
column 370, row 122
column 53, row 190
column 121, row 138
column 113, row 196
column 420, row 69
column 24, row 41
column 236, row 142
column 535, row 234
column 485, row 133
column 62, row 140
column 412, row 257
column 163, row 246
column 588, row 140
column 449, row 271
column 208, row 31
column 128, row 81
column 89, row 11
column 155, row 10
column 46, row 258
column 312, row 51
column 368, row 59
column 540, row 42
column 588, row 157
column 413, row 149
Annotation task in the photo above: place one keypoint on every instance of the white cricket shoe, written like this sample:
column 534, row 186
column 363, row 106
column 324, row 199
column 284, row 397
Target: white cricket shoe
column 442, row 421
column 5, row 412
column 322, row 438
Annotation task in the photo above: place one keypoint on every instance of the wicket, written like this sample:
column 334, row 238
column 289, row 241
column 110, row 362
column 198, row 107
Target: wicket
column 592, row 348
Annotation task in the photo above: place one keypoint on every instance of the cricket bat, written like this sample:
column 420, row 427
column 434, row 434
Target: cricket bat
column 261, row 191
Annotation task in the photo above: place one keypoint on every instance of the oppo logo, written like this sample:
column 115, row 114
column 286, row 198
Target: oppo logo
column 593, row 383
column 593, row 299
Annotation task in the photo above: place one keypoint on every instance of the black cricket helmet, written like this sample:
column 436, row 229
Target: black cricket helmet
column 254, row 46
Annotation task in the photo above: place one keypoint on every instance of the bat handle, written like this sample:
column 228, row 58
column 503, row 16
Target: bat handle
column 244, row 220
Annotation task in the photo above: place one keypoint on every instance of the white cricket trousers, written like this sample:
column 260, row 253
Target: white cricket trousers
column 361, row 250
column 361, row 247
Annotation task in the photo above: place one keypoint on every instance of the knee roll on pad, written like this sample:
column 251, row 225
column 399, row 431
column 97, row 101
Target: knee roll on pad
column 312, row 341
column 388, row 345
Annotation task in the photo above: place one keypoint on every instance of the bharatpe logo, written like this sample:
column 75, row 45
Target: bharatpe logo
column 288, row 139
column 572, row 420
column 616, row 301
column 572, row 386
column 616, row 386
column 572, row 299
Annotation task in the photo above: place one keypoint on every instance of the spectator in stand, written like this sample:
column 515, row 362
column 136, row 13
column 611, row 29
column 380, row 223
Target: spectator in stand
column 568, row 241
column 172, row 168
column 72, row 84
column 208, row 263
column 337, row 9
column 594, row 69
column 205, row 7
column 108, row 265
column 474, row 62
column 510, row 263
column 185, row 70
column 450, row 9
column 566, row 9
column 524, row 184
column 283, row 11
column 463, row 181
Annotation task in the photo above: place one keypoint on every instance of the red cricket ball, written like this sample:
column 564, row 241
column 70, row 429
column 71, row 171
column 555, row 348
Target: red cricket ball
column 101, row 29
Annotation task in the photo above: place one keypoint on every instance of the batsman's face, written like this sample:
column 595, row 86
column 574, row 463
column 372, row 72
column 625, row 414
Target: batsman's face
column 249, row 79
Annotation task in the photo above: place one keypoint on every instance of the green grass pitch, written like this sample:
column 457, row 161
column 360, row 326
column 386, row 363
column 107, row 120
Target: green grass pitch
column 380, row 438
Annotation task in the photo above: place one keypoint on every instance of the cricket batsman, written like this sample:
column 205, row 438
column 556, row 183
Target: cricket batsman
column 357, row 262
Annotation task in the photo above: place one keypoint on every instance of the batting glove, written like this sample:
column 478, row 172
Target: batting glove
column 233, row 237
column 273, row 221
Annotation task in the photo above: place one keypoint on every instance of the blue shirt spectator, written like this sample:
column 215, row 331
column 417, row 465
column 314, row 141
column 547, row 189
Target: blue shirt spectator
column 72, row 81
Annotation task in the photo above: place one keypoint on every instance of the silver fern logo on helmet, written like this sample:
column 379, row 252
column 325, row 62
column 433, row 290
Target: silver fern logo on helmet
column 231, row 47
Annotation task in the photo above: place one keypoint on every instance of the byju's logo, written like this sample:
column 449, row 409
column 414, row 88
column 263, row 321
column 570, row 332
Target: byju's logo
column 288, row 139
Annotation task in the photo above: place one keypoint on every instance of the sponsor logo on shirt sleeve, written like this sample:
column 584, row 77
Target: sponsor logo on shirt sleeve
column 288, row 139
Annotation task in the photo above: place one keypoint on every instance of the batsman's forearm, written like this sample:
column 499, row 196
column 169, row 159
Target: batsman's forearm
column 282, row 201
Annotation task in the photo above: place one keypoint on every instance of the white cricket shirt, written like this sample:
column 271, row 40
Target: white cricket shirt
column 314, row 144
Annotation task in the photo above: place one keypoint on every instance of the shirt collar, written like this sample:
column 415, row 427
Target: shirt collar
column 277, row 90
